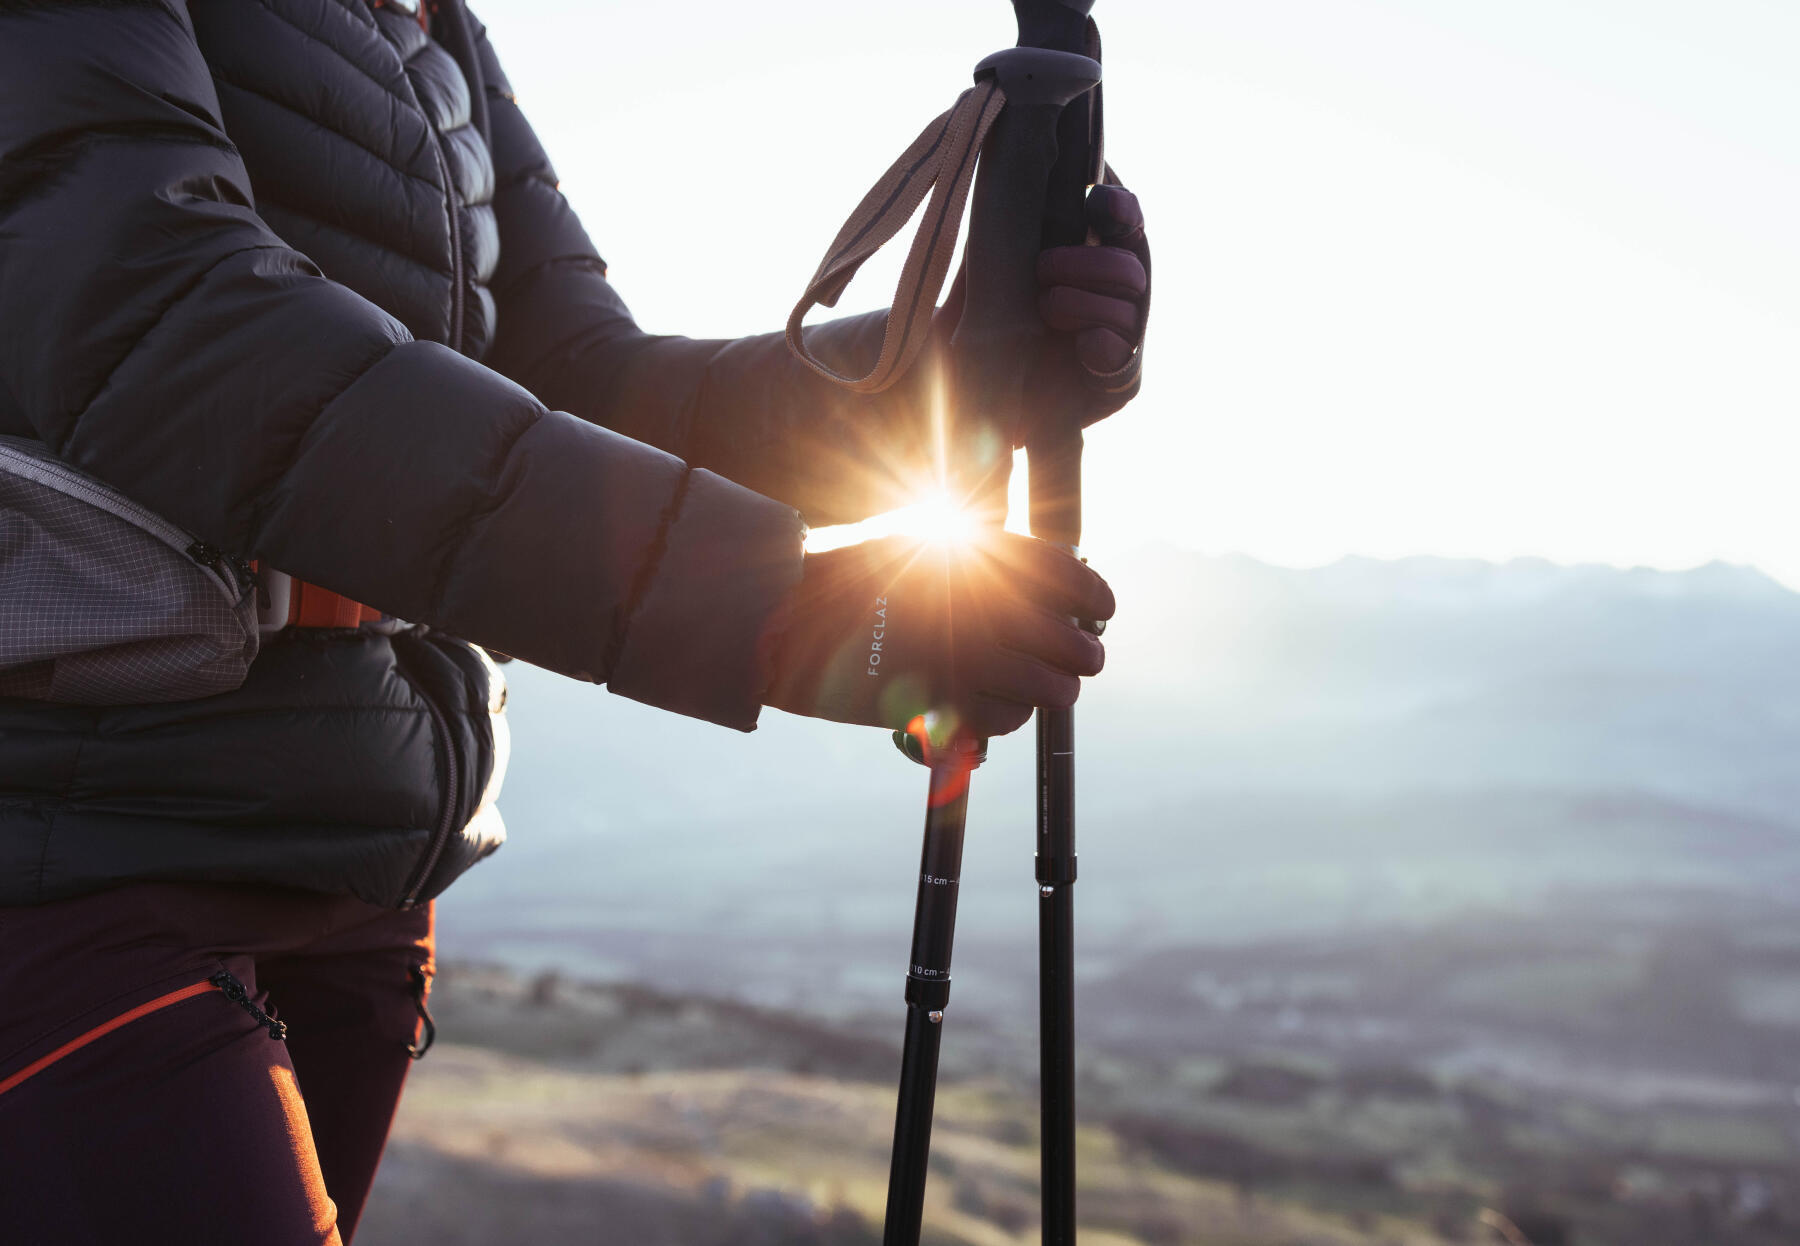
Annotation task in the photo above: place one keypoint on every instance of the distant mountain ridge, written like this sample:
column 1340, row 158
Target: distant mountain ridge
column 1373, row 738
column 1437, row 672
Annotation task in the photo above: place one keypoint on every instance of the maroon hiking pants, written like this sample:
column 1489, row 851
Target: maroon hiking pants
column 201, row 1063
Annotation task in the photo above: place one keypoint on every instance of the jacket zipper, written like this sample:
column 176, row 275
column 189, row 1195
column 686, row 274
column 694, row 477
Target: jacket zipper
column 452, row 199
column 440, row 732
column 451, row 196
column 456, row 258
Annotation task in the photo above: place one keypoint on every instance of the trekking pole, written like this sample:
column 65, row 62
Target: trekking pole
column 1036, row 167
column 1024, row 197
column 928, row 972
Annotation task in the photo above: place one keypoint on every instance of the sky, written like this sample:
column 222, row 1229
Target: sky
column 1475, row 278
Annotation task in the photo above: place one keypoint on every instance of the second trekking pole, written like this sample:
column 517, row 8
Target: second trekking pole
column 1024, row 196
column 1037, row 165
column 1033, row 119
column 928, row 972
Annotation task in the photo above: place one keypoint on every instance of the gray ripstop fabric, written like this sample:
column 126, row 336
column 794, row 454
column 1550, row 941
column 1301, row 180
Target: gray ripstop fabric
column 100, row 602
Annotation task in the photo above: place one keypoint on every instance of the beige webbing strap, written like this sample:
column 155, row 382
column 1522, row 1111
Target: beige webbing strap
column 941, row 161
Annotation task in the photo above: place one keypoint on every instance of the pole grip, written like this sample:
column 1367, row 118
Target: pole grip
column 1055, row 446
column 1000, row 336
column 1059, row 24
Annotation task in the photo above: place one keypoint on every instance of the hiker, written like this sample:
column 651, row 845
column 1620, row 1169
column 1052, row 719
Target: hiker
column 296, row 278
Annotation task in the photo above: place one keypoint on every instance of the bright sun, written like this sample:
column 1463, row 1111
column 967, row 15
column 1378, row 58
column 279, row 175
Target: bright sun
column 936, row 518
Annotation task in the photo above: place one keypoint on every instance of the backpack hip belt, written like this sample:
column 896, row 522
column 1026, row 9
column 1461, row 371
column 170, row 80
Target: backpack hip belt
column 283, row 601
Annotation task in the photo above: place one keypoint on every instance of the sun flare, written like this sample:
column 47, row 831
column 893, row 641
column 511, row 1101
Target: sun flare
column 936, row 519
column 937, row 516
column 939, row 519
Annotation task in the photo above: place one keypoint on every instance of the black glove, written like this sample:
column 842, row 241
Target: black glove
column 1096, row 299
column 1100, row 295
column 975, row 634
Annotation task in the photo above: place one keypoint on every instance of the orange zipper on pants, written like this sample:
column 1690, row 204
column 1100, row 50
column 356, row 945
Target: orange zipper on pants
column 100, row 1031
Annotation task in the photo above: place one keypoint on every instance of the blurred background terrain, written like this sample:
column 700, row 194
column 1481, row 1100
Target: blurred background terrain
column 1421, row 901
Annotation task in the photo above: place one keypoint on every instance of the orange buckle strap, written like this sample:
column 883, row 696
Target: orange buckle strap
column 283, row 601
column 312, row 606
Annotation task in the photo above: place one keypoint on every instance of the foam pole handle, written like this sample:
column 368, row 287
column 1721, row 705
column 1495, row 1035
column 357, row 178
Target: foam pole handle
column 1000, row 336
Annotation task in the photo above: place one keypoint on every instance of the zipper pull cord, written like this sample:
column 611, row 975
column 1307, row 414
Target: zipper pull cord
column 420, row 982
column 237, row 994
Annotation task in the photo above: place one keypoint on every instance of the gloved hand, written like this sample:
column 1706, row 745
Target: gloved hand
column 977, row 634
column 1100, row 295
column 1096, row 300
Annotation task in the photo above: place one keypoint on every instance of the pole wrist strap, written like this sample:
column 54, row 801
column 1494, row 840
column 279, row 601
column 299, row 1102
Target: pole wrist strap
column 941, row 162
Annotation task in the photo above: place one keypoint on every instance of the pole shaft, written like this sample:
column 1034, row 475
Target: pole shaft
column 1056, row 1020
column 927, row 993
column 1055, row 516
column 912, row 1130
column 1056, row 979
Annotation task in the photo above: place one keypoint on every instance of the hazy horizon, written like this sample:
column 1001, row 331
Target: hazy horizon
column 1439, row 853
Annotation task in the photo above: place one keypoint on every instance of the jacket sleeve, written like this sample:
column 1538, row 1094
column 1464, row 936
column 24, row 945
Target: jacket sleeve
column 155, row 332
column 743, row 407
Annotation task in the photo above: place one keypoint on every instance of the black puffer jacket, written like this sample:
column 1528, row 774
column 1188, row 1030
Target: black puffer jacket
column 273, row 269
